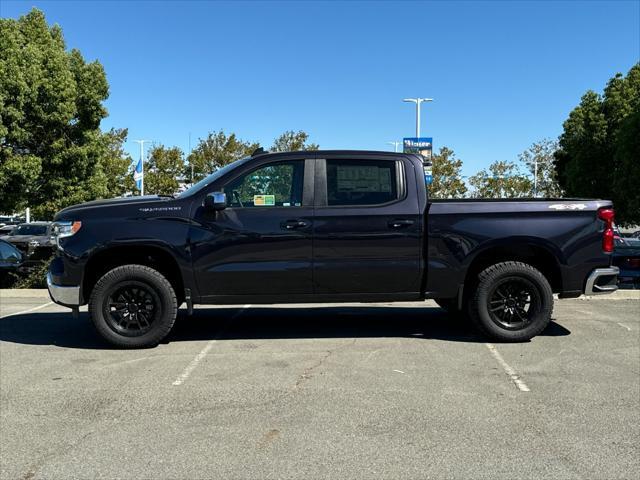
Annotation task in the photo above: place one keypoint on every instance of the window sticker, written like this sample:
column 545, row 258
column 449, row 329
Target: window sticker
column 264, row 200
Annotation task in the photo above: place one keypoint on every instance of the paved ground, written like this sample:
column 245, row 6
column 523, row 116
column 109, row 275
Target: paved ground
column 369, row 391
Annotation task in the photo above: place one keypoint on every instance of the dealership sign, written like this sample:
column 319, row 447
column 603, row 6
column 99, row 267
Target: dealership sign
column 419, row 145
column 422, row 146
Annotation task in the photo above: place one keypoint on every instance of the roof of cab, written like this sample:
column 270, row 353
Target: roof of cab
column 321, row 153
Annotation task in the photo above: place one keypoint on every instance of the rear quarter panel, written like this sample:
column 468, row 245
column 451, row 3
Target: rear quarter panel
column 459, row 231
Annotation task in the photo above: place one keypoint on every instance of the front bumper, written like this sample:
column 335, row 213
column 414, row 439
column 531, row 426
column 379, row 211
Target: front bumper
column 63, row 295
column 602, row 280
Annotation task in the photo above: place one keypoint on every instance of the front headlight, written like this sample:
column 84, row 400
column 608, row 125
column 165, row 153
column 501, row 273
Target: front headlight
column 65, row 229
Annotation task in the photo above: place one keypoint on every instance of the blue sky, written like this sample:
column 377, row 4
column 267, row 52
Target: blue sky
column 503, row 74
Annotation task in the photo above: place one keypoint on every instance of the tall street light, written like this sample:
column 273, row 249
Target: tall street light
column 417, row 101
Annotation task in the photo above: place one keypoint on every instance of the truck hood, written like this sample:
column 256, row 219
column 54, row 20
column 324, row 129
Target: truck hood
column 42, row 240
column 75, row 212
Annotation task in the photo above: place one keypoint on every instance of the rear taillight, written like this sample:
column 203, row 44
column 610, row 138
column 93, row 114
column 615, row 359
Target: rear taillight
column 607, row 215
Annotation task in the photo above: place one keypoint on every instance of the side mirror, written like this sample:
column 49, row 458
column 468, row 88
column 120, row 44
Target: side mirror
column 215, row 201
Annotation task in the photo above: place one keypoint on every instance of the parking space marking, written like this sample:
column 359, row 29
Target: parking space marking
column 29, row 310
column 203, row 353
column 515, row 377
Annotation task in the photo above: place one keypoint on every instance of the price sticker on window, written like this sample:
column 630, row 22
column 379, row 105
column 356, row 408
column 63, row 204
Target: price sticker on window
column 264, row 200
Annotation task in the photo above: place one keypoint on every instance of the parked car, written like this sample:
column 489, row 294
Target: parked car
column 626, row 257
column 11, row 260
column 35, row 240
column 6, row 229
column 327, row 226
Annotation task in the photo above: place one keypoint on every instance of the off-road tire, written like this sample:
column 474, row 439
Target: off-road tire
column 541, row 304
column 159, row 290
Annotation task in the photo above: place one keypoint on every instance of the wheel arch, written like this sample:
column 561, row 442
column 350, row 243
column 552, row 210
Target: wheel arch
column 152, row 256
column 544, row 257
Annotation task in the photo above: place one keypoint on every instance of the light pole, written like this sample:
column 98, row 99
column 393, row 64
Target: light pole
column 417, row 101
column 395, row 145
column 142, row 142
column 535, row 178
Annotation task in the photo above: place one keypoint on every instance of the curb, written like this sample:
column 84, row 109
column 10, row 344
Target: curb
column 44, row 293
column 24, row 293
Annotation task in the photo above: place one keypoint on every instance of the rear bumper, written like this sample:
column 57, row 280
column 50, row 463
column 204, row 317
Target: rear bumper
column 601, row 281
column 69, row 296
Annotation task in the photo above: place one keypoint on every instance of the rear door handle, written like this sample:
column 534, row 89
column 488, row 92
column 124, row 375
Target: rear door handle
column 400, row 223
column 294, row 224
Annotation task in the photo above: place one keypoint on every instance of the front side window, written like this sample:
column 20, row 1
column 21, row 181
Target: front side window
column 274, row 185
column 361, row 182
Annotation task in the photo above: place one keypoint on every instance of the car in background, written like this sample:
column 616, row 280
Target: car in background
column 11, row 260
column 626, row 256
column 6, row 229
column 35, row 240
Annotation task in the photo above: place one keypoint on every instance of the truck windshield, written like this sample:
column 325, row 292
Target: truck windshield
column 196, row 187
column 30, row 230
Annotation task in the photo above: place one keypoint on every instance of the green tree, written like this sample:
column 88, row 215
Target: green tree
column 215, row 151
column 163, row 170
column 117, row 164
column 447, row 178
column 539, row 159
column 51, row 105
column 291, row 141
column 598, row 149
column 503, row 180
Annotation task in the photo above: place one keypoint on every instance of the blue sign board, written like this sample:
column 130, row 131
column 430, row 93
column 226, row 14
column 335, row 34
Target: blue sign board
column 420, row 145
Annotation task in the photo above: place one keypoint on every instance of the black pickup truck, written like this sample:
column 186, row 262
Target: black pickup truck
column 327, row 226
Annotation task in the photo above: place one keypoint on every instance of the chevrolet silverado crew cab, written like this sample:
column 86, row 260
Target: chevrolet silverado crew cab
column 327, row 226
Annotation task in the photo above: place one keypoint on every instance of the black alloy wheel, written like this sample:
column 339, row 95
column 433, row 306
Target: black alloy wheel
column 512, row 302
column 131, row 308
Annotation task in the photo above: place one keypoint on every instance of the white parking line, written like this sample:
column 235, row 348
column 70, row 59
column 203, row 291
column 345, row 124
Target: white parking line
column 515, row 377
column 203, row 353
column 28, row 310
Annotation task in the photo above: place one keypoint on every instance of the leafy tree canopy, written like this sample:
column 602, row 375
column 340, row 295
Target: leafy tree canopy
column 163, row 170
column 291, row 141
column 51, row 105
column 538, row 159
column 599, row 154
column 215, row 151
column 503, row 180
column 447, row 178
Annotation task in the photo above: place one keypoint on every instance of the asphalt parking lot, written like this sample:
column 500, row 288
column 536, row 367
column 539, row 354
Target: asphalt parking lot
column 339, row 391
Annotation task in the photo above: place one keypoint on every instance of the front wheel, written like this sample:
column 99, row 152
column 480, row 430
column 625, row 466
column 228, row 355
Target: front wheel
column 513, row 302
column 133, row 306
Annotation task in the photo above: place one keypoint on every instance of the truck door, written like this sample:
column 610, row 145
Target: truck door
column 367, row 226
column 261, row 244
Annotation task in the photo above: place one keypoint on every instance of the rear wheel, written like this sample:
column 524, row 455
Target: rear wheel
column 133, row 306
column 512, row 302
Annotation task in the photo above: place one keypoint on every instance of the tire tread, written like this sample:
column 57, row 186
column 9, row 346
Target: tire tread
column 132, row 270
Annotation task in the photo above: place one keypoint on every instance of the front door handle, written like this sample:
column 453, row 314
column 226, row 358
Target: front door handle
column 294, row 224
column 400, row 223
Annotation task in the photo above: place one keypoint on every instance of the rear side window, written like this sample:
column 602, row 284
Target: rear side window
column 361, row 182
